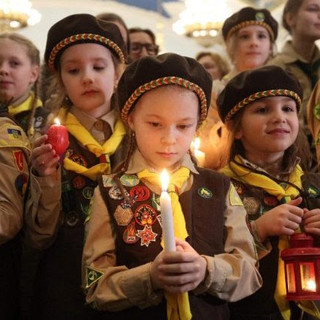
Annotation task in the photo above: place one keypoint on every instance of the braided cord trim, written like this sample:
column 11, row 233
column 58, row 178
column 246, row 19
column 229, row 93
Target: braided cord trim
column 250, row 23
column 82, row 37
column 260, row 95
column 162, row 82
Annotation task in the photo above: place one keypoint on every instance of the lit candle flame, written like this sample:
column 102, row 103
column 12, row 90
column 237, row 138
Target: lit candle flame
column 164, row 180
column 311, row 285
column 57, row 122
column 196, row 144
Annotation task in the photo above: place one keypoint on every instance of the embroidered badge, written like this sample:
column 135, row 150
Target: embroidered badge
column 260, row 16
column 140, row 193
column 18, row 159
column 270, row 201
column 92, row 275
column 69, row 153
column 87, row 193
column 313, row 191
column 78, row 182
column 123, row 216
column 14, row 133
column 155, row 200
column 11, row 135
column 316, row 111
column 147, row 236
column 108, row 181
column 79, row 159
column 65, row 186
column 115, row 193
column 240, row 187
column 129, row 180
column 129, row 234
column 234, row 197
column 72, row 218
column 145, row 215
column 205, row 193
column 251, row 205
column 21, row 183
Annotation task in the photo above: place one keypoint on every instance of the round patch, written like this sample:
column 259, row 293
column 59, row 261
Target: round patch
column 145, row 215
column 313, row 191
column 140, row 193
column 115, row 193
column 72, row 218
column 205, row 193
column 271, row 201
column 78, row 182
column 251, row 205
column 21, row 183
column 316, row 111
column 240, row 187
column 260, row 16
column 129, row 180
column 87, row 193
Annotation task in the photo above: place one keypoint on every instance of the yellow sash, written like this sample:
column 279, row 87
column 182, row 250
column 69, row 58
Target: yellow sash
column 283, row 194
column 178, row 306
column 85, row 138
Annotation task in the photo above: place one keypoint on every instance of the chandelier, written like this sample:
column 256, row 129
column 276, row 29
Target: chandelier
column 17, row 14
column 202, row 20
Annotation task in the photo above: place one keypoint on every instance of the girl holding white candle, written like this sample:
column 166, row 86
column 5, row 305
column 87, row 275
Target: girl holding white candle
column 164, row 100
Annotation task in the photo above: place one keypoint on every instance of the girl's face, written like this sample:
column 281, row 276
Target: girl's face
column 252, row 48
column 17, row 73
column 211, row 66
column 164, row 121
column 268, row 127
column 306, row 22
column 88, row 75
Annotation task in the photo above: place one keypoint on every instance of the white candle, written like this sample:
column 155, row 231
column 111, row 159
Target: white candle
column 166, row 214
column 200, row 155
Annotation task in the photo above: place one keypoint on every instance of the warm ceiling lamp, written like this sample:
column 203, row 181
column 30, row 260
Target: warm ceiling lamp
column 202, row 20
column 16, row 14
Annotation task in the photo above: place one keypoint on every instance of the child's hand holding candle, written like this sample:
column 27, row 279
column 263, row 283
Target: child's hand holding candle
column 166, row 214
column 58, row 137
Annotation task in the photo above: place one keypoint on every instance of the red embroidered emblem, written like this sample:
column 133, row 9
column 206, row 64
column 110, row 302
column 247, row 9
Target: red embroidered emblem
column 145, row 215
column 147, row 235
column 18, row 159
column 140, row 193
column 129, row 234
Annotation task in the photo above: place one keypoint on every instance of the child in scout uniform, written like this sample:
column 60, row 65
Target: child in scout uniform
column 126, row 273
column 14, row 158
column 19, row 81
column 86, row 56
column 260, row 109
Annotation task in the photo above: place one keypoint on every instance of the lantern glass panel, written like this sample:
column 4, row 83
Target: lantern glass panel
column 308, row 281
column 291, row 282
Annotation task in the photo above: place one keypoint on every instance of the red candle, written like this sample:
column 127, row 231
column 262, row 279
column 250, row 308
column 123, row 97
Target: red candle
column 58, row 137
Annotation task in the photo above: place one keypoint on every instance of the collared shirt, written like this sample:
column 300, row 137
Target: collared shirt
column 230, row 276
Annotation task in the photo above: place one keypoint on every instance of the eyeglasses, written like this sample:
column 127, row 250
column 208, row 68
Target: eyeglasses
column 136, row 47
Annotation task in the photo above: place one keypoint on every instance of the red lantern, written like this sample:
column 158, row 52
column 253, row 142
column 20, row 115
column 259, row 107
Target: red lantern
column 58, row 137
column 302, row 268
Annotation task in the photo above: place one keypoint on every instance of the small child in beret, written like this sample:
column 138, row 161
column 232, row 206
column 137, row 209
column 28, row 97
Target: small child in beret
column 86, row 57
column 126, row 271
column 260, row 109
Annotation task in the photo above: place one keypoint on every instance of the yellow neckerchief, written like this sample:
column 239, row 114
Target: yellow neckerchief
column 283, row 194
column 85, row 138
column 24, row 106
column 178, row 306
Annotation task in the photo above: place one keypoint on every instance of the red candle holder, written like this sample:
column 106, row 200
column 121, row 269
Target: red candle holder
column 58, row 137
column 302, row 268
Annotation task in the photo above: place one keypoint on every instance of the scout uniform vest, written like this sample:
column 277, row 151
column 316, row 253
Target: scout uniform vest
column 135, row 212
column 257, row 201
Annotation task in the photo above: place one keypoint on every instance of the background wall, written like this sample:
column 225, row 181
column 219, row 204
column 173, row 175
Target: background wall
column 54, row 10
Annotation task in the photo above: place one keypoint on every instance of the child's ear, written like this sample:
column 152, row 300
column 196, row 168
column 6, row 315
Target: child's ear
column 131, row 122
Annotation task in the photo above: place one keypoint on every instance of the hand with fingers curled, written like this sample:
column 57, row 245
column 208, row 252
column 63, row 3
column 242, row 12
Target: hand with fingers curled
column 284, row 219
column 311, row 221
column 44, row 159
column 180, row 271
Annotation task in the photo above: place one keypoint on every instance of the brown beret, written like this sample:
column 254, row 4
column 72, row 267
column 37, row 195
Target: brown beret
column 252, row 85
column 250, row 16
column 82, row 28
column 148, row 73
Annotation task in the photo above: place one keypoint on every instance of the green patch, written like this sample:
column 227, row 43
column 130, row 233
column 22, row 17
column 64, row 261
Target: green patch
column 92, row 275
column 205, row 193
